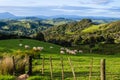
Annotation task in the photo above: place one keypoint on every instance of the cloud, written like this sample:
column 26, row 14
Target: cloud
column 114, row 9
column 97, row 2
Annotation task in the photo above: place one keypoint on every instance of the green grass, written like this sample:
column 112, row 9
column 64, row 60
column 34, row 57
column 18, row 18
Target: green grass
column 80, row 62
column 7, row 77
column 12, row 45
column 92, row 28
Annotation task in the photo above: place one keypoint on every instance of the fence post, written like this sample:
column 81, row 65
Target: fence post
column 103, row 73
column 51, row 68
column 72, row 68
column 14, row 67
column 30, row 65
column 62, row 68
column 91, row 66
column 43, row 65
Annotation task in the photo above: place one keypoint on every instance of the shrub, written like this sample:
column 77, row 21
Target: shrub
column 6, row 66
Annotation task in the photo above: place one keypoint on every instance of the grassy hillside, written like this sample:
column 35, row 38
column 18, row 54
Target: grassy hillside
column 91, row 29
column 13, row 45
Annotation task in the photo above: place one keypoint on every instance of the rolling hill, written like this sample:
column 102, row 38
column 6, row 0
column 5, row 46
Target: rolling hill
column 83, row 30
column 12, row 45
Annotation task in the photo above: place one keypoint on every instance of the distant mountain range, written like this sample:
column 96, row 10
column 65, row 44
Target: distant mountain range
column 7, row 15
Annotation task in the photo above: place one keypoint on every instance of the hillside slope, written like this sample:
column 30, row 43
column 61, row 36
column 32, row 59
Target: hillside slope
column 12, row 45
column 83, row 31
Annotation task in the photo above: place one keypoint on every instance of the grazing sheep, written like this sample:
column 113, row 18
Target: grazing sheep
column 40, row 48
column 51, row 47
column 80, row 51
column 34, row 48
column 72, row 52
column 76, row 51
column 62, row 52
column 27, row 46
column 20, row 44
column 62, row 49
column 23, row 77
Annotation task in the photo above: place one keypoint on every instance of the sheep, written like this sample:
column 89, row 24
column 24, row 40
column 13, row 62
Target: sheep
column 51, row 47
column 34, row 48
column 23, row 77
column 40, row 48
column 76, row 51
column 27, row 46
column 62, row 52
column 72, row 52
column 62, row 48
column 20, row 44
column 80, row 51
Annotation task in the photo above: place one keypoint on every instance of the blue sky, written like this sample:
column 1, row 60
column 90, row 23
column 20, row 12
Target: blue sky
column 108, row 8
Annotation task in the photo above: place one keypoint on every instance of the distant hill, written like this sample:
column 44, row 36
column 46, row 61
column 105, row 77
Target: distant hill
column 84, row 31
column 7, row 15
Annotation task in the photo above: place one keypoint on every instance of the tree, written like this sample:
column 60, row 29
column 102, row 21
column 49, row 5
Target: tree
column 40, row 36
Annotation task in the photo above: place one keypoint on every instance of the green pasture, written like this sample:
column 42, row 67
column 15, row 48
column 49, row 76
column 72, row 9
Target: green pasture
column 80, row 62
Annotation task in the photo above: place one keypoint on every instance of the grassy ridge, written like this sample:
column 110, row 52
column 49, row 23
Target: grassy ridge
column 13, row 45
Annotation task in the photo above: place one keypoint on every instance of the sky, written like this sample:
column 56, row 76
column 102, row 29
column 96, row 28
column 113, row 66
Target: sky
column 106, row 8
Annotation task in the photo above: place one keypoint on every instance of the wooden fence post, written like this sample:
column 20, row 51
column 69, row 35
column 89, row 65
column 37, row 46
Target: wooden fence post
column 72, row 68
column 30, row 65
column 51, row 68
column 43, row 65
column 62, row 68
column 103, row 73
column 14, row 67
column 91, row 66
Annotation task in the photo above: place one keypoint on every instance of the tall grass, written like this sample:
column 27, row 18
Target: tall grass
column 7, row 67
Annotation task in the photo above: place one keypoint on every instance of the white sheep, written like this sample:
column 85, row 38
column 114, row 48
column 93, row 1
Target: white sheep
column 72, row 52
column 80, row 51
column 23, row 77
column 27, row 46
column 34, row 48
column 62, row 48
column 51, row 47
column 62, row 52
column 20, row 44
column 40, row 48
column 76, row 51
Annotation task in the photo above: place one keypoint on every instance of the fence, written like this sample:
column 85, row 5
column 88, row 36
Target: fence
column 51, row 67
column 102, row 69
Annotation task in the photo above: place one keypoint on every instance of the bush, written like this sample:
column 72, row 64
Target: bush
column 6, row 66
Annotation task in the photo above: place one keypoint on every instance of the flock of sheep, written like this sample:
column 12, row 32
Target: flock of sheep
column 62, row 50
column 68, row 51
column 33, row 48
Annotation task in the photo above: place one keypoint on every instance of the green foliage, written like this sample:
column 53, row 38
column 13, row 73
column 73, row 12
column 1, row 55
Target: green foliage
column 40, row 36
column 7, row 77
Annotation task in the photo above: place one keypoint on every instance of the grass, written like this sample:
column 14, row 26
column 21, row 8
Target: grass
column 80, row 62
column 90, row 29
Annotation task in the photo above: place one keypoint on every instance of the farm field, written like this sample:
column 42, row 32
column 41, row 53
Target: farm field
column 81, row 62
